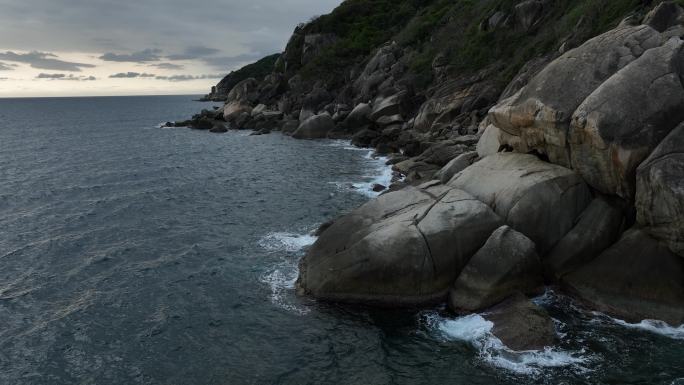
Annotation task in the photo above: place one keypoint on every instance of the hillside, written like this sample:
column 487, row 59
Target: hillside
column 550, row 132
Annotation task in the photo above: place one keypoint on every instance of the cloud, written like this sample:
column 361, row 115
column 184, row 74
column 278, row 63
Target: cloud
column 131, row 75
column 168, row 66
column 227, row 62
column 50, row 76
column 65, row 77
column 146, row 55
column 7, row 67
column 194, row 52
column 43, row 60
column 185, row 78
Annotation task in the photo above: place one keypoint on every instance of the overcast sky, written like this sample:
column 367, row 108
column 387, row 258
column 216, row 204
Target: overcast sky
column 132, row 47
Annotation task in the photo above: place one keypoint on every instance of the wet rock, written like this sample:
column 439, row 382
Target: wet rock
column 637, row 278
column 379, row 188
column 403, row 249
column 416, row 170
column 365, row 137
column 506, row 264
column 202, row 124
column 290, row 126
column 218, row 128
column 521, row 325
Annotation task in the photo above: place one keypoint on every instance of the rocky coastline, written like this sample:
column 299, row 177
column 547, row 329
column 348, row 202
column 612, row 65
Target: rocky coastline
column 570, row 175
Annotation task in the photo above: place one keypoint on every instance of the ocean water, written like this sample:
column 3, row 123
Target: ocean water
column 131, row 254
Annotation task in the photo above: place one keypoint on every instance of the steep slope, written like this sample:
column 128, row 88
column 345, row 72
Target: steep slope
column 560, row 119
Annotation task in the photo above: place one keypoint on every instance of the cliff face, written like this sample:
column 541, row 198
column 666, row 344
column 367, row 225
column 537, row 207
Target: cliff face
column 257, row 70
column 540, row 141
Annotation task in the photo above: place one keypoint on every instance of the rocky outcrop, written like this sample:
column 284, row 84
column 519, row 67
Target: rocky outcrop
column 537, row 118
column 664, row 16
column 359, row 117
column 240, row 100
column 404, row 248
column 660, row 192
column 506, row 264
column 536, row 198
column 315, row 127
column 625, row 118
column 637, row 278
column 582, row 144
column 521, row 325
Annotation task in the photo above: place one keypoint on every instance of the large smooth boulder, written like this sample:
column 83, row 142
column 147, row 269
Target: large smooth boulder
column 660, row 191
column 506, row 264
column 537, row 117
column 387, row 106
column 537, row 198
column 597, row 228
column 315, row 127
column 236, row 111
column 624, row 119
column 240, row 99
column 521, row 325
column 359, row 117
column 638, row 278
column 405, row 248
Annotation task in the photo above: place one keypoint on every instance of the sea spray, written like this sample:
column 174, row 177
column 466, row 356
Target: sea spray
column 477, row 332
column 282, row 276
column 377, row 171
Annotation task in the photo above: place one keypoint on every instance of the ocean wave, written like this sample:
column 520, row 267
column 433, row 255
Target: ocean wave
column 477, row 331
column 653, row 326
column 287, row 242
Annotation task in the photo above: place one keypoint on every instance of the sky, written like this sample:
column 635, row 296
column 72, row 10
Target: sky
column 138, row 47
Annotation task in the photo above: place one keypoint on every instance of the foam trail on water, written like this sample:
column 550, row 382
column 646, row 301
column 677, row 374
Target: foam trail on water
column 287, row 242
column 654, row 326
column 282, row 276
column 477, row 331
column 378, row 173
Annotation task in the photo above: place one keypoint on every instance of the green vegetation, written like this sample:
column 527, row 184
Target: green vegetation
column 455, row 28
column 258, row 70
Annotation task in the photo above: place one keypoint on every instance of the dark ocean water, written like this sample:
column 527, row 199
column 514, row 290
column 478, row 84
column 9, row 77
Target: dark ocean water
column 131, row 254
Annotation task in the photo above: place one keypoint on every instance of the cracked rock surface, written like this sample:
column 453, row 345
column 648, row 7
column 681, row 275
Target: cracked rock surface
column 404, row 248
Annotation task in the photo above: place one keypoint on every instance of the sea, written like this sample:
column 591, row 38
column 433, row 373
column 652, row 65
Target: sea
column 134, row 254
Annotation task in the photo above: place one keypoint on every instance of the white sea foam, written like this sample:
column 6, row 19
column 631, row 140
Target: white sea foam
column 282, row 276
column 287, row 242
column 378, row 172
column 477, row 331
column 654, row 326
column 281, row 281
